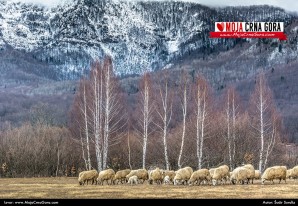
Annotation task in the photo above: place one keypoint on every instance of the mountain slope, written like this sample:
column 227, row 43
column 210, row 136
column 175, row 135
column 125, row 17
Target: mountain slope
column 40, row 45
column 140, row 36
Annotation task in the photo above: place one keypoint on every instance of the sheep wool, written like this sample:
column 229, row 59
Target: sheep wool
column 276, row 172
column 106, row 175
column 85, row 176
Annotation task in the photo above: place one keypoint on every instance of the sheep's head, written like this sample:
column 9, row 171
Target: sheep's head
column 81, row 182
column 214, row 182
column 177, row 180
column 190, row 182
column 263, row 180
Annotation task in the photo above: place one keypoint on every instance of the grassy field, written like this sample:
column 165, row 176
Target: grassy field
column 68, row 188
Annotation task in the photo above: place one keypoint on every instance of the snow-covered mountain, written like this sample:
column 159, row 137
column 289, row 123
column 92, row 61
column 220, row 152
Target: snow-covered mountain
column 139, row 36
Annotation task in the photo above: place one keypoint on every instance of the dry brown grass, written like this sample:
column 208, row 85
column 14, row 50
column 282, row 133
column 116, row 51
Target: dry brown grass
column 68, row 188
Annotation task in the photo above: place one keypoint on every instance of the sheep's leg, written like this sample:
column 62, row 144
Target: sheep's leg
column 199, row 182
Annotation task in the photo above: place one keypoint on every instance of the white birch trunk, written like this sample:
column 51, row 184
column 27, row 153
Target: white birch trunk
column 270, row 144
column 198, row 127
column 184, row 112
column 204, row 113
column 234, row 130
column 261, row 110
column 228, row 129
column 97, row 115
column 165, row 121
column 129, row 155
column 145, row 121
column 87, row 131
column 201, row 113
column 100, row 121
column 83, row 153
column 107, row 117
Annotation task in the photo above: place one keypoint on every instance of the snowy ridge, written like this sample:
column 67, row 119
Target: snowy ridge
column 139, row 36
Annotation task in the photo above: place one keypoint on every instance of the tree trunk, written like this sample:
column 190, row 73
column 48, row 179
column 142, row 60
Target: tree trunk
column 87, row 130
column 184, row 111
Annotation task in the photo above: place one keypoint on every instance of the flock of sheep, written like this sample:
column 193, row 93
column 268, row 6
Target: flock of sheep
column 186, row 175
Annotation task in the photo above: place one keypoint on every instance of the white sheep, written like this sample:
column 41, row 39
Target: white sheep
column 293, row 173
column 289, row 171
column 167, row 180
column 240, row 175
column 106, row 175
column 199, row 176
column 276, row 172
column 251, row 174
column 121, row 176
column 170, row 173
column 211, row 171
column 142, row 174
column 155, row 176
column 85, row 176
column 220, row 173
column 133, row 180
column 182, row 175
column 257, row 174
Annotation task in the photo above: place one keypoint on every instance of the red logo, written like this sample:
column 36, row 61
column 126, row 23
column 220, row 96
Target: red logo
column 220, row 26
column 249, row 30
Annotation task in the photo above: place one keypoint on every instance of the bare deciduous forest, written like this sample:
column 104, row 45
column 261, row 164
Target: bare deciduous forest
column 172, row 123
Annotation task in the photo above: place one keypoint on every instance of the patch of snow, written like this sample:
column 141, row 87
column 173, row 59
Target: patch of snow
column 173, row 46
column 107, row 50
column 295, row 29
column 168, row 66
column 275, row 54
column 52, row 3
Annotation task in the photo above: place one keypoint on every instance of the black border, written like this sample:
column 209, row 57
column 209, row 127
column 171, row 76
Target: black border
column 251, row 202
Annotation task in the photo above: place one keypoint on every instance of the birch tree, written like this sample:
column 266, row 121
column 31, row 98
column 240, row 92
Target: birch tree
column 145, row 119
column 184, row 93
column 202, row 111
column 82, row 105
column 111, row 108
column 263, row 120
column 98, row 103
column 231, row 115
column 273, row 137
column 164, row 112
column 97, row 92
